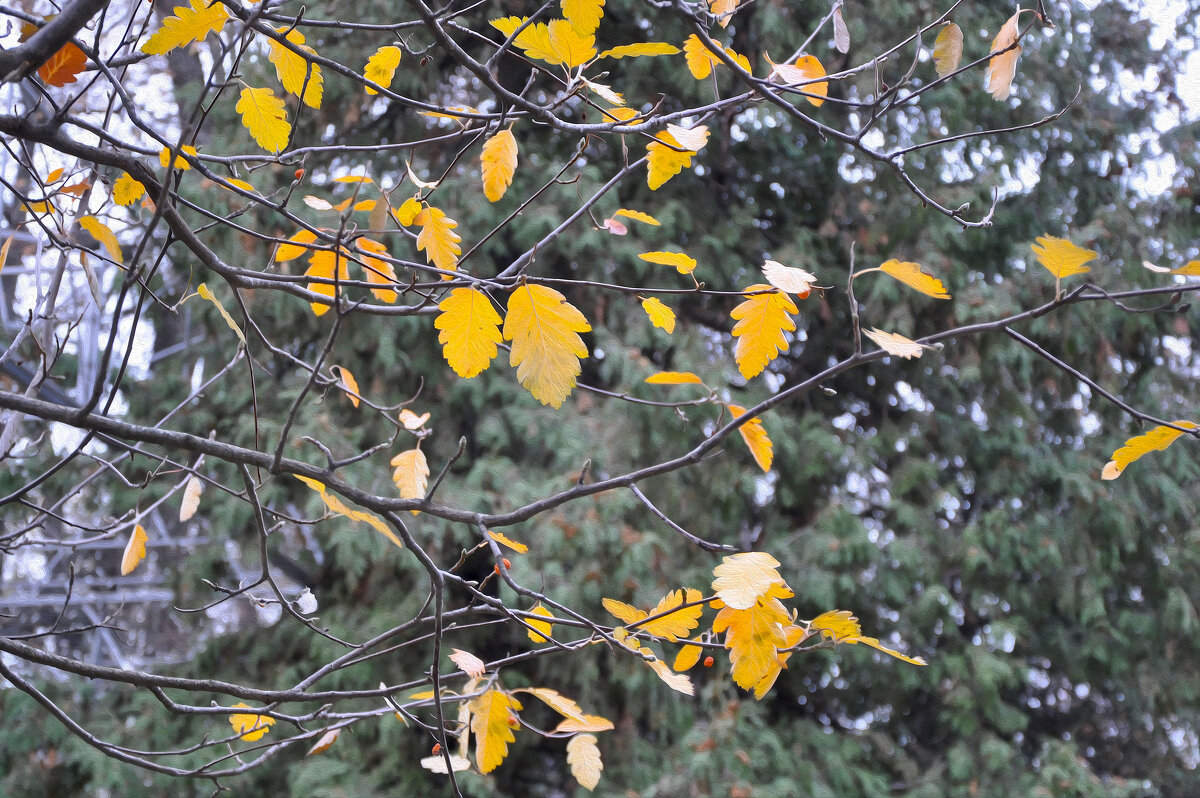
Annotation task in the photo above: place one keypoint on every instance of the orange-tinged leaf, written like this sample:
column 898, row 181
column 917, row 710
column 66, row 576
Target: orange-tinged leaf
column 178, row 162
column 54, row 176
column 63, row 67
column 571, row 47
column 792, row 635
column 347, row 382
column 753, row 636
column 4, row 248
column 684, row 264
column 687, row 658
column 437, row 238
column 806, row 69
column 411, row 474
column 469, row 331
column 674, row 378
column 1156, row 440
column 499, row 163
column 584, row 723
column 470, row 664
column 788, row 279
column 584, row 15
column 324, row 742
column 264, row 115
column 660, row 315
column 742, row 579
column 700, row 59
column 377, row 270
column 187, row 25
column 295, row 71
column 755, row 436
column 338, row 507
column 248, row 726
column 622, row 611
column 947, row 49
column 638, row 216
column 663, row 162
column 295, row 248
column 895, row 343
column 639, row 50
column 489, row 722
column 583, row 757
column 102, row 233
column 505, row 540
column 1003, row 68
column 534, row 40
column 406, row 214
column 677, row 623
column 381, row 67
column 619, row 114
column 914, row 277
column 323, row 264
column 546, row 347
column 126, row 190
column 135, row 550
column 543, row 628
column 762, row 321
column 191, row 498
column 723, row 10
column 203, row 291
column 1062, row 258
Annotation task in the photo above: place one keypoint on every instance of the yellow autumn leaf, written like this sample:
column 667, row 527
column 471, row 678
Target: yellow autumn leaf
column 947, row 49
column 203, row 291
column 742, row 579
column 700, row 59
column 126, row 190
column 753, row 636
column 248, row 726
column 406, row 214
column 841, row 626
column 490, row 716
column 914, row 277
column 1062, row 258
column 660, row 315
column 323, row 265
column 627, row 613
column 264, row 115
column 639, row 50
column 674, row 378
column 555, row 700
column 63, row 66
column 546, row 347
column 242, row 184
column 295, row 246
column 505, row 540
column 499, row 164
column 437, row 238
column 762, row 321
column 584, row 15
column 470, row 664
column 895, row 343
column 674, row 623
column 381, row 67
column 135, row 550
column 687, row 658
column 177, row 162
column 4, row 248
column 583, row 723
column 377, row 270
column 295, row 72
column 792, row 635
column 1191, row 269
column 1002, row 68
column 192, row 490
column 347, row 382
column 684, row 264
column 723, row 10
column 411, row 474
column 187, row 25
column 104, row 234
column 324, row 742
column 469, row 331
column 583, row 757
column 663, row 161
column 543, row 628
column 788, row 279
column 678, row 682
column 755, row 436
column 806, row 69
column 533, row 40
column 638, row 216
column 571, row 47
column 604, row 92
column 1156, row 440
column 338, row 507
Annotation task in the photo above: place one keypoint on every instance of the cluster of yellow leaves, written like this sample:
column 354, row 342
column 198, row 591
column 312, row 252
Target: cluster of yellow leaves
column 555, row 42
column 701, row 59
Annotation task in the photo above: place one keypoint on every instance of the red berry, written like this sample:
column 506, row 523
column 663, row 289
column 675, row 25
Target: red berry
column 708, row 662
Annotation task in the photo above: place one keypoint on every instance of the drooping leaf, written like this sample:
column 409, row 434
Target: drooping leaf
column 584, row 15
column 126, row 190
column 762, row 321
column 788, row 279
column 376, row 269
column 1062, row 258
column 660, row 315
column 348, row 383
column 264, row 115
column 792, row 634
column 469, row 331
column 178, row 161
column 63, row 67
column 411, row 474
column 895, row 344
column 571, row 47
column 104, row 234
column 499, row 164
column 663, row 162
column 741, row 579
column 674, row 378
column 533, row 40
column 723, row 10
column 1003, row 67
column 841, row 33
column 381, row 67
column 470, row 664
column 687, row 658
column 604, row 92
column 187, row 25
column 1156, row 440
column 546, row 347
column 248, row 726
column 626, row 613
column 555, row 700
column 753, row 636
column 947, row 49
column 806, row 69
column 700, row 59
column 755, row 436
column 324, row 742
column 543, row 628
column 323, row 265
column 684, row 264
column 679, row 623
column 638, row 216
column 135, row 550
column 914, row 277
column 490, row 714
column 841, row 626
column 639, row 50
column 208, row 295
column 583, row 757
column 690, row 138
column 191, row 498
column 437, row 238
column 295, row 248
column 505, row 540
column 338, row 507
column 295, row 72
column 584, row 723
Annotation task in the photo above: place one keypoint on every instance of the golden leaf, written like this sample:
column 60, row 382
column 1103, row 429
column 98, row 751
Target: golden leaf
column 250, row 727
column 490, row 714
column 641, row 49
column 753, row 636
column 470, row 664
column 663, row 162
column 947, row 49
column 762, row 321
column 546, row 347
column 406, row 214
column 660, row 315
column 377, row 270
column 555, row 700
column 1003, row 68
column 1062, row 258
column 295, row 248
column 700, row 59
column 687, row 658
column 135, row 550
column 895, row 344
column 584, row 15
column 543, row 628
column 63, row 67
column 323, row 264
column 1192, row 269
column 505, row 540
column 203, row 291
column 263, row 114
column 437, row 238
column 1156, row 440
column 683, row 264
column 792, row 635
column 411, row 474
column 347, row 382
column 755, row 436
column 381, row 67
column 742, row 579
column 296, row 72
column 723, row 10
column 242, row 184
column 338, row 507
column 102, row 233
column 912, row 275
column 324, row 742
column 191, row 498
column 806, row 69
column 499, row 162
column 126, row 190
column 841, row 626
column 678, row 623
column 788, row 279
column 4, row 248
column 570, row 47
column 177, row 162
column 584, row 723
column 534, row 40
column 638, row 216
column 186, row 26
column 583, row 757
column 622, row 611
column 469, row 331
column 678, row 682
column 674, row 378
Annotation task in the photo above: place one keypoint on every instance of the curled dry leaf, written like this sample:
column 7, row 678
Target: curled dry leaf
column 1003, row 67
column 191, row 498
column 894, row 343
column 947, row 49
column 470, row 664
